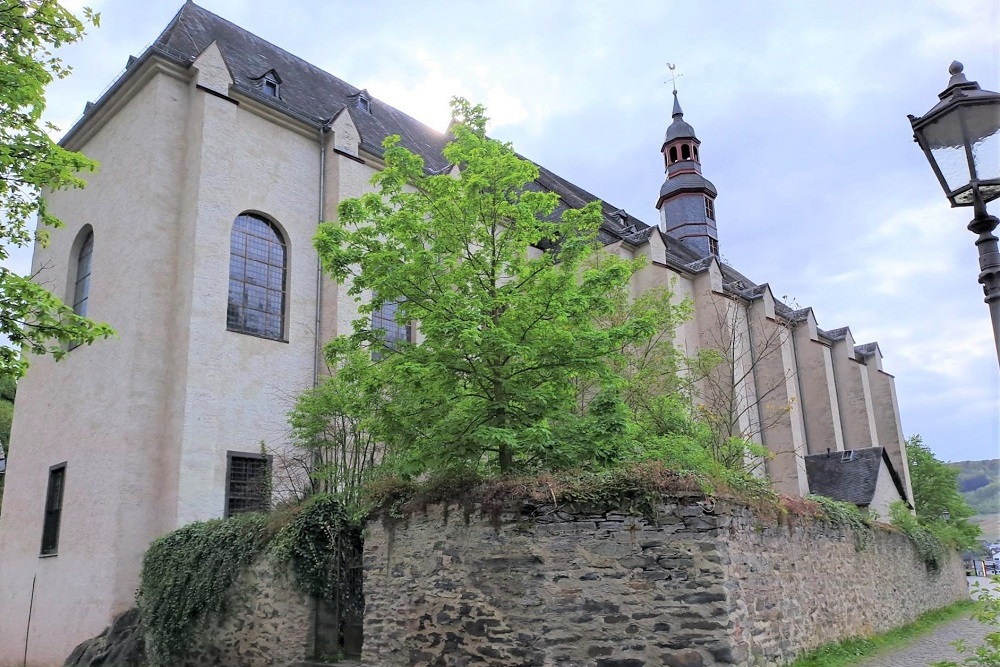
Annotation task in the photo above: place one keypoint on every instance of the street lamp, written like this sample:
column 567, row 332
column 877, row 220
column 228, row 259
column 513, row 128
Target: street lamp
column 960, row 136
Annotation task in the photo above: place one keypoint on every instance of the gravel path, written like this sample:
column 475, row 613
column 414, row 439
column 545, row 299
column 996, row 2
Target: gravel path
column 936, row 645
column 932, row 647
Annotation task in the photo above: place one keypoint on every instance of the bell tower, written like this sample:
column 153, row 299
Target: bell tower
column 687, row 199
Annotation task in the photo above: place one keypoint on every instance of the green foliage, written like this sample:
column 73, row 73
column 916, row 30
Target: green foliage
column 847, row 515
column 935, row 491
column 508, row 334
column 985, row 499
column 979, row 484
column 987, row 612
column 321, row 542
column 930, row 548
column 328, row 425
column 186, row 575
column 31, row 318
column 858, row 649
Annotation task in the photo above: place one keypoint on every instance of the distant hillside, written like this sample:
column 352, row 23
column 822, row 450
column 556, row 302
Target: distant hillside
column 979, row 484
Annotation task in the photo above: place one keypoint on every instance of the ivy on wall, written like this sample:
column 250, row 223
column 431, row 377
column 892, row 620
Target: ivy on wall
column 187, row 574
column 323, row 543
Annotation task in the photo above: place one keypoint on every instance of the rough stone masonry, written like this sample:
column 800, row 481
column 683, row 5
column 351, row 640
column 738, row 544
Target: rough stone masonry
column 703, row 584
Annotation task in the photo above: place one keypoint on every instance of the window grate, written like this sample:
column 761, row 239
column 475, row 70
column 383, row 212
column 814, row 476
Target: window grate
column 247, row 484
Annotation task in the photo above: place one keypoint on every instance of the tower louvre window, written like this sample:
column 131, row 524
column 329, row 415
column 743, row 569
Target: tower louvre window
column 685, row 152
column 673, row 154
column 709, row 208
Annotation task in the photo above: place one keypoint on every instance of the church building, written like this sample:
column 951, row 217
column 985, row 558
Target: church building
column 220, row 153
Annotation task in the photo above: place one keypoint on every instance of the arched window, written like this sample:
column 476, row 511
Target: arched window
column 685, row 152
column 257, row 261
column 673, row 154
column 81, row 290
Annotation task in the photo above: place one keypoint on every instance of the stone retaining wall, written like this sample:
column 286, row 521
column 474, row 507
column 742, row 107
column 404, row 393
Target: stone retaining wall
column 706, row 584
column 270, row 622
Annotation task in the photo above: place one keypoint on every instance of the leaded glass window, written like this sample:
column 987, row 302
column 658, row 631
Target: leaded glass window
column 81, row 292
column 393, row 333
column 257, row 260
column 81, row 288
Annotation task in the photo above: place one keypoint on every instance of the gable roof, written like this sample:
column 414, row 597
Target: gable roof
column 853, row 479
column 315, row 97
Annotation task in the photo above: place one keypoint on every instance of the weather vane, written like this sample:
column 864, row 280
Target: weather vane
column 673, row 75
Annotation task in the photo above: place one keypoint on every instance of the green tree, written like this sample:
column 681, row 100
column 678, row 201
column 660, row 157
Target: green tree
column 31, row 318
column 935, row 493
column 507, row 332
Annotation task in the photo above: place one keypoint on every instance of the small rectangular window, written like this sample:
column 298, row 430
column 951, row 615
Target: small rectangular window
column 53, row 510
column 713, row 246
column 709, row 208
column 248, row 483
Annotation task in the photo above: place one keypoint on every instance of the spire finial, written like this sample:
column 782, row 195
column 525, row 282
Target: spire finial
column 673, row 76
column 673, row 80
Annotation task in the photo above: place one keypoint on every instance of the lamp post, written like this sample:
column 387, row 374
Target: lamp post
column 960, row 137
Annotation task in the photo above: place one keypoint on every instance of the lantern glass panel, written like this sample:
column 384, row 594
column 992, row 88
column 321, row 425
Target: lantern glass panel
column 986, row 153
column 951, row 159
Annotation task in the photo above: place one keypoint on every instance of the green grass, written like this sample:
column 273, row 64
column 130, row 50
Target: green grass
column 854, row 650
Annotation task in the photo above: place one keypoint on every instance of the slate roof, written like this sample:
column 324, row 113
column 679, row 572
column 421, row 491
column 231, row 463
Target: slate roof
column 316, row 97
column 851, row 480
column 679, row 129
column 687, row 181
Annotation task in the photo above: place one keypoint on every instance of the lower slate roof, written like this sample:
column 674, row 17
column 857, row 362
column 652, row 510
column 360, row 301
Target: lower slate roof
column 850, row 476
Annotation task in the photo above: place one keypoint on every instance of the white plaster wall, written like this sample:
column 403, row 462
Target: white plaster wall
column 885, row 494
column 101, row 408
column 239, row 387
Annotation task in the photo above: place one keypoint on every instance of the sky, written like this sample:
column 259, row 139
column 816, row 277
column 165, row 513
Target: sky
column 800, row 107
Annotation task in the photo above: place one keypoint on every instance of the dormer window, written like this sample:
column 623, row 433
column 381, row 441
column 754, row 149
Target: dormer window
column 270, row 87
column 269, row 84
column 364, row 103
